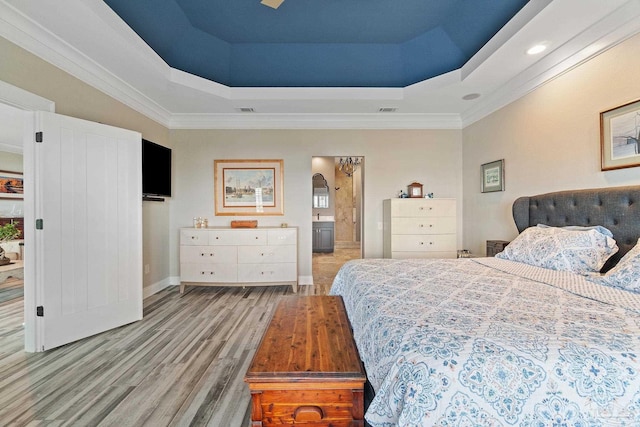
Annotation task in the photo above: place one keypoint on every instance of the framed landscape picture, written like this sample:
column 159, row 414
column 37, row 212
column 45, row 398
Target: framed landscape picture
column 248, row 187
column 11, row 185
column 493, row 176
column 620, row 136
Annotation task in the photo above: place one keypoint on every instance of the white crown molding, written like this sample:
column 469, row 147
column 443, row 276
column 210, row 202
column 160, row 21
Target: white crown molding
column 20, row 98
column 29, row 35
column 316, row 121
column 590, row 43
column 528, row 12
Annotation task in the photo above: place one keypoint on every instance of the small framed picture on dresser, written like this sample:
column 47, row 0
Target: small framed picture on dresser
column 415, row 189
column 493, row 176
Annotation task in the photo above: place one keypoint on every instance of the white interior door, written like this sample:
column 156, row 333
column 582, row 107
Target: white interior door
column 88, row 237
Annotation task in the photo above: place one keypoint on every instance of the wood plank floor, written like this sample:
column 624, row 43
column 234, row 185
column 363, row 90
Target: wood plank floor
column 182, row 365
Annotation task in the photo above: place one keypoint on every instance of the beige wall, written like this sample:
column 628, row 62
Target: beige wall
column 77, row 99
column 392, row 159
column 550, row 140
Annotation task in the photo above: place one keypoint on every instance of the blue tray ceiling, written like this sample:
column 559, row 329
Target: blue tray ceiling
column 316, row 43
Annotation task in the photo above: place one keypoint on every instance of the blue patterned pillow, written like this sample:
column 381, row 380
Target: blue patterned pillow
column 626, row 273
column 578, row 251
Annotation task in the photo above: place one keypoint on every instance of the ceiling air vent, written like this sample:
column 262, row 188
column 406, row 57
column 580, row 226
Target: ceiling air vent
column 387, row 110
column 245, row 110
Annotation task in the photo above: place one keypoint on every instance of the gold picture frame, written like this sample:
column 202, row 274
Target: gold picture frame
column 620, row 137
column 248, row 187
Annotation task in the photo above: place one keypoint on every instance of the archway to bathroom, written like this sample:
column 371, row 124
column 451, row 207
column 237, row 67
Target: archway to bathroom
column 338, row 219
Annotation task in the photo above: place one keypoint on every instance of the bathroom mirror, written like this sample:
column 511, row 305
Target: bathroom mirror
column 320, row 192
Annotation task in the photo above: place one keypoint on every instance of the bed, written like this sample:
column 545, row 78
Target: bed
column 509, row 341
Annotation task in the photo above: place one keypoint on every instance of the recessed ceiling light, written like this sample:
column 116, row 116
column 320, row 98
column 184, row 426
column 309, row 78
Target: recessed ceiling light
column 471, row 96
column 536, row 49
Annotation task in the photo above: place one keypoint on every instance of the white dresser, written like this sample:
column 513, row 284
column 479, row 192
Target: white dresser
column 239, row 257
column 419, row 228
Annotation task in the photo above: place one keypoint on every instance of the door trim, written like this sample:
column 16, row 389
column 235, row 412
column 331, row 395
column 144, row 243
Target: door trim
column 28, row 102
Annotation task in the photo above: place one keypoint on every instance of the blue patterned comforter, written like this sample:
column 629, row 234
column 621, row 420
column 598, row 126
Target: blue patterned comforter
column 490, row 342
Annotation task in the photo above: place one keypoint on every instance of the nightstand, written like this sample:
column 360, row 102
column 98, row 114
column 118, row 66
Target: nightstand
column 495, row 246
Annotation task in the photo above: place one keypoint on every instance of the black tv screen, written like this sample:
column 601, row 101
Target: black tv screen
column 156, row 169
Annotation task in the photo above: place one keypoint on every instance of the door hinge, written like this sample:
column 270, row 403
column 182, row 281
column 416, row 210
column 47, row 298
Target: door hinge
column 39, row 224
column 40, row 311
column 38, row 136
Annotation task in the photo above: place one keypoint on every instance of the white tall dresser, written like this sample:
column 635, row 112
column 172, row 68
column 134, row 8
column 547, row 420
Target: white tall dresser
column 419, row 228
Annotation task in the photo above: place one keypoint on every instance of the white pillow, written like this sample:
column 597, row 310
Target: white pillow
column 578, row 251
column 626, row 273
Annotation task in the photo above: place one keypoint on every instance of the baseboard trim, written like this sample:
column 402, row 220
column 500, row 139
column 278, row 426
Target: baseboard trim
column 158, row 286
column 305, row 280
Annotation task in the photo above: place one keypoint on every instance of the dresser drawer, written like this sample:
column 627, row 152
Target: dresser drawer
column 266, row 254
column 238, row 237
column 423, row 243
column 291, row 406
column 208, row 273
column 423, row 225
column 423, row 207
column 194, row 237
column 283, row 272
column 283, row 236
column 209, row 254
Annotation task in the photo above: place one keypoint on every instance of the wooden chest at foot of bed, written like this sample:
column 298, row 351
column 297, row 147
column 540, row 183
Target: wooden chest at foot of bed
column 306, row 370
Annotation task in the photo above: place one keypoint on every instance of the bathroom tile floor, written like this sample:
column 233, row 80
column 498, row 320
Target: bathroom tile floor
column 325, row 266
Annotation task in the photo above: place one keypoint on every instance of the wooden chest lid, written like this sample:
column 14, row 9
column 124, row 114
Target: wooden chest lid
column 309, row 338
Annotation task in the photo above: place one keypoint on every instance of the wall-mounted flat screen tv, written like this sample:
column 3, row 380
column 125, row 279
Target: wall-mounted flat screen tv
column 156, row 169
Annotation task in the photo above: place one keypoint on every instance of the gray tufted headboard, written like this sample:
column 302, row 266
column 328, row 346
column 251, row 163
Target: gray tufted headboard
column 617, row 209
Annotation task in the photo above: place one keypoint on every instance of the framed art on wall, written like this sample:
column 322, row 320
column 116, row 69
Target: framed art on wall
column 493, row 176
column 11, row 185
column 248, row 187
column 620, row 137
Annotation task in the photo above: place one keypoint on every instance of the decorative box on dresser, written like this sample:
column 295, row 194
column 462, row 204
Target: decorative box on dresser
column 223, row 256
column 419, row 228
